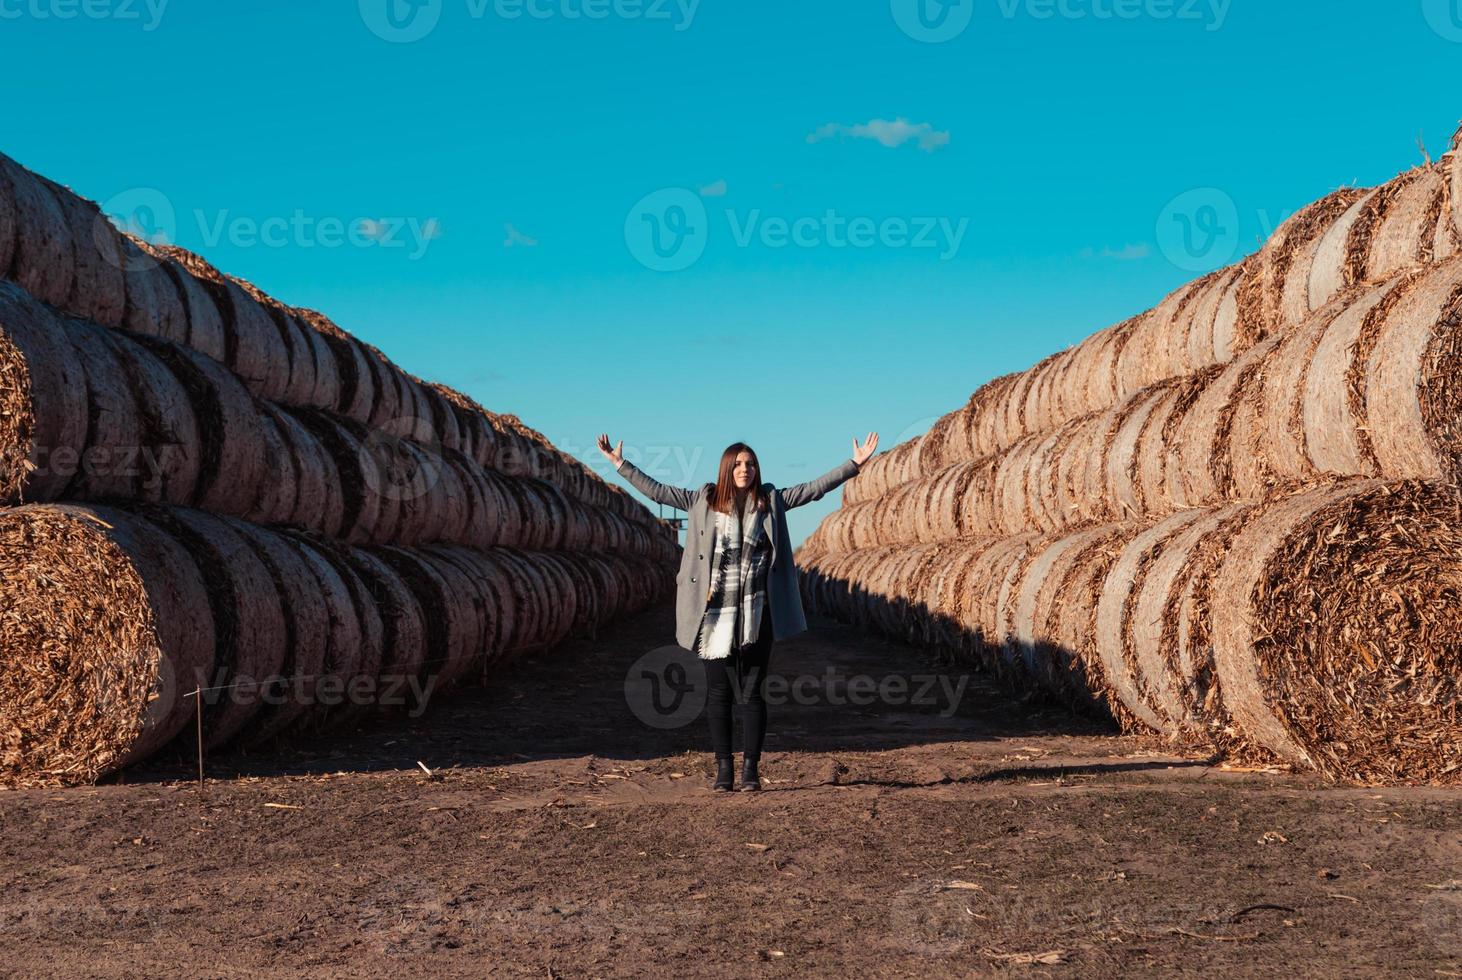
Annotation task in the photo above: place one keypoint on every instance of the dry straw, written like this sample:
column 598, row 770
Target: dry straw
column 113, row 615
column 1322, row 628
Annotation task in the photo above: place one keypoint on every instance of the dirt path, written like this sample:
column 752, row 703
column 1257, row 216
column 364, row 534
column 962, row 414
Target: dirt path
column 559, row 835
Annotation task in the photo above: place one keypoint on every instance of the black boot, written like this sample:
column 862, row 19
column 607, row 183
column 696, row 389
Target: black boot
column 725, row 770
column 749, row 778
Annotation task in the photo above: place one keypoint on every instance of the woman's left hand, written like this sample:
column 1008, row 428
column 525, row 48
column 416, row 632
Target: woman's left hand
column 863, row 453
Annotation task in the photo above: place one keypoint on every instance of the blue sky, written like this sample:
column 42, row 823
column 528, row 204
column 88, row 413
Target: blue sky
column 863, row 222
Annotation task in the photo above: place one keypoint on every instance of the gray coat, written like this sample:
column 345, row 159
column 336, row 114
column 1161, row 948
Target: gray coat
column 691, row 583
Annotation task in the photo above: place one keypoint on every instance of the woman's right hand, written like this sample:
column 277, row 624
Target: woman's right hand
column 614, row 455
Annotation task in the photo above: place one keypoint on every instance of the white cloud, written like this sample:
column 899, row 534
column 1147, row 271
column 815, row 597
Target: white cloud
column 1127, row 253
column 516, row 237
column 717, row 189
column 890, row 134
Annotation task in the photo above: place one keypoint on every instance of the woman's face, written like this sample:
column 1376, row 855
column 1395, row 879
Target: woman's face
column 744, row 471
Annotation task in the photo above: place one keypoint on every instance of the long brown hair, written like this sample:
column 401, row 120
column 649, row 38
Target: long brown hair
column 722, row 494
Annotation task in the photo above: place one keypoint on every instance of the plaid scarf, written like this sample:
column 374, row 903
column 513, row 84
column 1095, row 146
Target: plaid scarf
column 736, row 596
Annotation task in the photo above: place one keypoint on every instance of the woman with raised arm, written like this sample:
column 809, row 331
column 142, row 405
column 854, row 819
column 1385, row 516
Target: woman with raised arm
column 737, row 587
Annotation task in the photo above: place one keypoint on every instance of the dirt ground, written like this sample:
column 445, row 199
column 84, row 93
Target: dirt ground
column 942, row 830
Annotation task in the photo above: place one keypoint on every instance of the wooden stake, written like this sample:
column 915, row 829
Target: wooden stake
column 199, row 715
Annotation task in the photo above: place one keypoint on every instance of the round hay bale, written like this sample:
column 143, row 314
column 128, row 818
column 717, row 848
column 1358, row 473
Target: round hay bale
column 1454, row 196
column 1091, row 483
column 1121, row 456
column 299, row 387
column 8, row 221
column 289, row 697
column 204, row 324
column 344, row 649
column 391, row 402
column 168, row 457
column 1337, row 638
column 1281, row 394
column 1030, row 643
column 1404, row 235
column 1074, row 502
column 250, row 638
column 1297, row 250
column 1066, row 610
column 1226, row 318
column 517, row 529
column 319, row 504
column 43, row 263
column 230, row 434
column 1115, row 612
column 356, row 392
column 107, row 625
column 452, row 628
column 98, row 292
column 353, row 654
column 1241, row 466
column 115, row 429
column 154, row 304
column 1189, row 653
column 1332, row 442
column 443, row 417
column 1149, row 470
column 43, row 407
column 1395, row 388
column 479, row 599
column 1202, row 334
column 343, row 441
column 1203, row 464
column 1038, row 489
column 1153, row 628
column 403, row 625
column 279, row 487
column 253, row 347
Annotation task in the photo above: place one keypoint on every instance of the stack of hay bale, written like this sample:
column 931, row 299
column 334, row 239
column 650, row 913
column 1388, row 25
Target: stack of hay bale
column 1233, row 519
column 202, row 487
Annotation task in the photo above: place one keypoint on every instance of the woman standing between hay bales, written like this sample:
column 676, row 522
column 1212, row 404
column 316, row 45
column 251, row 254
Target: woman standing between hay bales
column 737, row 590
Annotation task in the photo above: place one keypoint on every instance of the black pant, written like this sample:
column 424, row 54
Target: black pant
column 743, row 675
